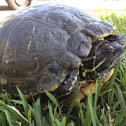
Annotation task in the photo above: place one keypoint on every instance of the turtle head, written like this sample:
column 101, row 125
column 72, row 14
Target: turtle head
column 104, row 55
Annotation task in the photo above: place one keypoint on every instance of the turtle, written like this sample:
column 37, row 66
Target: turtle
column 56, row 48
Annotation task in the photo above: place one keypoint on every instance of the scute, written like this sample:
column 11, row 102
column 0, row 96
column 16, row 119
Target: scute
column 67, row 18
column 39, row 43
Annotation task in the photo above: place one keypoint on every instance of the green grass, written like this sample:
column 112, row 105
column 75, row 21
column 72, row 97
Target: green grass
column 107, row 107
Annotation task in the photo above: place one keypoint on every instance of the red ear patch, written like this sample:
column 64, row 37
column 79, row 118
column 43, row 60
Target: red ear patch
column 97, row 53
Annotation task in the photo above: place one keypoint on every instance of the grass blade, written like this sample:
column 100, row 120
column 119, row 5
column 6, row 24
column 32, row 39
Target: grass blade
column 38, row 114
column 72, row 104
column 63, row 122
column 121, row 98
column 57, row 122
column 25, row 103
column 18, row 112
column 104, row 118
column 2, row 120
column 38, row 118
column 12, row 111
column 8, row 117
column 53, row 99
column 111, row 84
column 82, row 119
column 98, row 87
column 93, row 119
column 29, row 117
column 51, row 114
column 120, row 119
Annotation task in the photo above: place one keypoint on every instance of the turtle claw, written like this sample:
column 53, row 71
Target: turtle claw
column 98, row 30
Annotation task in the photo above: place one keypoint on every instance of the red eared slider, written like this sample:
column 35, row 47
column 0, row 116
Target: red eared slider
column 56, row 48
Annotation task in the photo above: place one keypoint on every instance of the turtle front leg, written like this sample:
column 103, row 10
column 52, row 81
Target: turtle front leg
column 69, row 87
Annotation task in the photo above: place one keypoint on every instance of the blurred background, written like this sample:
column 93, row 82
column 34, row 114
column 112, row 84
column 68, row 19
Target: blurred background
column 83, row 4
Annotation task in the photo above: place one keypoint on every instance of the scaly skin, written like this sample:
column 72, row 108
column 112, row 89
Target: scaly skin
column 85, row 91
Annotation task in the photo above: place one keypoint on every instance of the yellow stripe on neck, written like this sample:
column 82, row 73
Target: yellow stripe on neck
column 93, row 57
column 100, row 63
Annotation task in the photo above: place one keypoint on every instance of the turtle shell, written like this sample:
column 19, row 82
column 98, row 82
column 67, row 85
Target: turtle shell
column 40, row 45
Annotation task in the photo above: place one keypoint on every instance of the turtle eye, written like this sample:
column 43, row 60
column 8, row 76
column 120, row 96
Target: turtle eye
column 109, row 52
